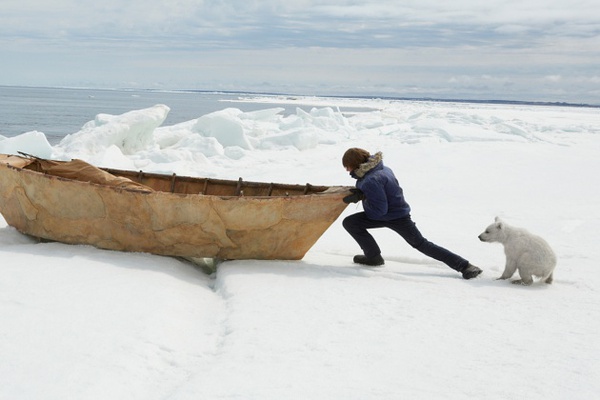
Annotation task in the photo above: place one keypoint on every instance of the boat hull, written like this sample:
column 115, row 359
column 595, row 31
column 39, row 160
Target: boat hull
column 172, row 224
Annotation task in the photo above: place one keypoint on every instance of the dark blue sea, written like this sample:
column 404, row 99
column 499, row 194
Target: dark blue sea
column 58, row 112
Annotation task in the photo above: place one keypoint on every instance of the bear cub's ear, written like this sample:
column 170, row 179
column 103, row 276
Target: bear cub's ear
column 499, row 222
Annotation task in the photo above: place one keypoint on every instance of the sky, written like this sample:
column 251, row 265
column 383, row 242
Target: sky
column 528, row 50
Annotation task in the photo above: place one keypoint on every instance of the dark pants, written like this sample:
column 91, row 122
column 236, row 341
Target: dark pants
column 357, row 225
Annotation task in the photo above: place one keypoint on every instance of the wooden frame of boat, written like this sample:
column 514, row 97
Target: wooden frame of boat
column 164, row 214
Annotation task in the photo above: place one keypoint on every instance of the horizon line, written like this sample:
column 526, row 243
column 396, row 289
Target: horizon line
column 357, row 96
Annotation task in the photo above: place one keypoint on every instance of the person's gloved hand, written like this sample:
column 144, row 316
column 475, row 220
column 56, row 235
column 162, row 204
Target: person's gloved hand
column 356, row 196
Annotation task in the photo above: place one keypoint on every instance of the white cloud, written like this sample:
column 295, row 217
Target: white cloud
column 197, row 19
column 553, row 78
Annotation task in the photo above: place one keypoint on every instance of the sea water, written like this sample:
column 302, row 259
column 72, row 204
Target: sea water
column 58, row 112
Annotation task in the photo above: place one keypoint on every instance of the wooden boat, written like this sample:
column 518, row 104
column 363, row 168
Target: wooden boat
column 75, row 202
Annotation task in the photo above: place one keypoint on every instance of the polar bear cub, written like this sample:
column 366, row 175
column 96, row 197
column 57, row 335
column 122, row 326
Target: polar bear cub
column 528, row 253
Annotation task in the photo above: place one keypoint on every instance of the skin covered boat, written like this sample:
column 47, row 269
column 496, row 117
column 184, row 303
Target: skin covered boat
column 77, row 203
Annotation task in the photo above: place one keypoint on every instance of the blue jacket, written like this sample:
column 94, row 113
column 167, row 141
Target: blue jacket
column 384, row 198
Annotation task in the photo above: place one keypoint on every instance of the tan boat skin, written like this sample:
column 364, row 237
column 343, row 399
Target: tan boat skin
column 169, row 215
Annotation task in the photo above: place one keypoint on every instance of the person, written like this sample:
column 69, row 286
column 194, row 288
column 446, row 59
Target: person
column 384, row 206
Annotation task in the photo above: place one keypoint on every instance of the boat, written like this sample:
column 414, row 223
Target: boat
column 75, row 202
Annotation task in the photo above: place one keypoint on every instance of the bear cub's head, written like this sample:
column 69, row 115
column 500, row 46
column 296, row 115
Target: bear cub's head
column 495, row 232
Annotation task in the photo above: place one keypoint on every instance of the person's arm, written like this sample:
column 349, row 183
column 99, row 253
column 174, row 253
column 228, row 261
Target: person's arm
column 356, row 196
column 375, row 202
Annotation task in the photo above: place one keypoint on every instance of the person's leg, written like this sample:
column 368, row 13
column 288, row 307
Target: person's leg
column 357, row 225
column 406, row 228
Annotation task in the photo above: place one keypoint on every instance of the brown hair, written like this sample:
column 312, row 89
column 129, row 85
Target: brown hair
column 354, row 156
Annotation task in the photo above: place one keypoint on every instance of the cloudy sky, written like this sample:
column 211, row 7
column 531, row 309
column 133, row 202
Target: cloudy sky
column 539, row 50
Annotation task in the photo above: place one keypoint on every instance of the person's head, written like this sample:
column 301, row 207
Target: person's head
column 353, row 157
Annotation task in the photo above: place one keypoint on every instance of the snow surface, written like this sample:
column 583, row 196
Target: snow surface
column 81, row 323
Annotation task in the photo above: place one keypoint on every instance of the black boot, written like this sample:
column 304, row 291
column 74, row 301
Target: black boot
column 470, row 272
column 373, row 262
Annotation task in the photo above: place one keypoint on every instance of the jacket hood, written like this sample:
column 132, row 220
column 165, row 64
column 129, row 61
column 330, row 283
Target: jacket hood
column 365, row 167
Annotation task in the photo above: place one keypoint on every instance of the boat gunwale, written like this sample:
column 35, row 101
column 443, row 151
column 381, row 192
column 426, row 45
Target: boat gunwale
column 327, row 190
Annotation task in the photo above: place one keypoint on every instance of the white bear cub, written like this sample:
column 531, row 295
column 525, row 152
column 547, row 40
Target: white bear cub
column 528, row 253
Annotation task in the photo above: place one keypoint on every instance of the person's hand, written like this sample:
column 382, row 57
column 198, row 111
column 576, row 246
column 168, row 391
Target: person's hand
column 356, row 196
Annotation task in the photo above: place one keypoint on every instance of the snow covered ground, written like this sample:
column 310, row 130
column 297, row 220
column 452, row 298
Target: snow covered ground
column 81, row 323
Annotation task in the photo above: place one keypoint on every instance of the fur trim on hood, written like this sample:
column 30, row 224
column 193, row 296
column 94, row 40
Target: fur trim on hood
column 365, row 167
